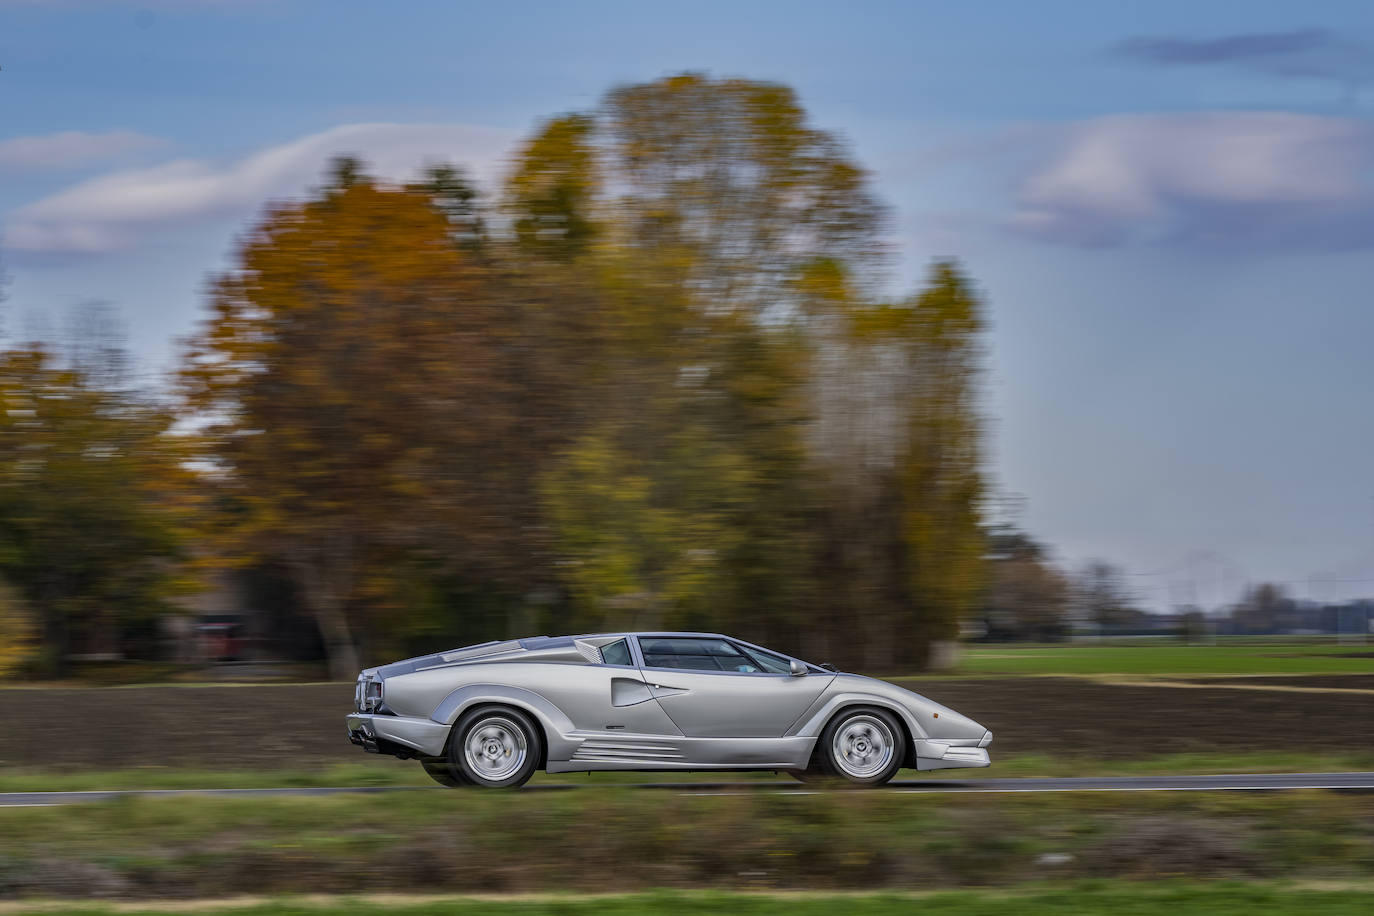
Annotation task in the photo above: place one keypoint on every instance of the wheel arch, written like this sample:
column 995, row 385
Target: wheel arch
column 813, row 725
column 548, row 718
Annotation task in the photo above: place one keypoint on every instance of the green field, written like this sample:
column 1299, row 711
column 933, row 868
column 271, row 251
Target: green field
column 1168, row 899
column 1163, row 659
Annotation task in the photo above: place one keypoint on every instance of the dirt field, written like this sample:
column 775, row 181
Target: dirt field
column 273, row 727
column 1325, row 681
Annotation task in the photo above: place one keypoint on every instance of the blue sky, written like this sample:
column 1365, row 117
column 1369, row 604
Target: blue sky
column 1169, row 207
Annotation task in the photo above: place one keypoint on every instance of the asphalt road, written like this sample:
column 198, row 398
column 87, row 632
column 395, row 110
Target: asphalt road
column 1360, row 782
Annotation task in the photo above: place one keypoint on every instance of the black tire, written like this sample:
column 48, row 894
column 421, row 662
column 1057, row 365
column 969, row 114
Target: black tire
column 816, row 772
column 863, row 747
column 442, row 772
column 811, row 776
column 496, row 747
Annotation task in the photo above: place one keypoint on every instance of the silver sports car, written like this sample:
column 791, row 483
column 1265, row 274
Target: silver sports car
column 490, row 715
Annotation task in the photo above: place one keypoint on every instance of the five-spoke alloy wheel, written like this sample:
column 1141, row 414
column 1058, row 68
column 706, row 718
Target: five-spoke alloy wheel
column 863, row 746
column 495, row 748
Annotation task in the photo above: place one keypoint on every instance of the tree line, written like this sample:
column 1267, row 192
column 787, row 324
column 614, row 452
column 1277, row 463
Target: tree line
column 654, row 382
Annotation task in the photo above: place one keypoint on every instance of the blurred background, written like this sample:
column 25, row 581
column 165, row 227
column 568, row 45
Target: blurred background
column 1017, row 352
column 677, row 358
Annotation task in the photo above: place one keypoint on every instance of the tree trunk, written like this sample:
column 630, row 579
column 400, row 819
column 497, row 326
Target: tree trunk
column 943, row 655
column 56, row 647
column 339, row 648
column 324, row 596
column 57, row 644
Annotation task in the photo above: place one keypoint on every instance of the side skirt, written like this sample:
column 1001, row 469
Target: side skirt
column 616, row 751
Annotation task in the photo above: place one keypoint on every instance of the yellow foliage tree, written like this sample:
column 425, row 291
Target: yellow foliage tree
column 366, row 395
column 17, row 632
column 90, row 505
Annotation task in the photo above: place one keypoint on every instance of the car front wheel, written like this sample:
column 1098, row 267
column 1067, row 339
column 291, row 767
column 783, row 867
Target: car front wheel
column 863, row 746
column 495, row 748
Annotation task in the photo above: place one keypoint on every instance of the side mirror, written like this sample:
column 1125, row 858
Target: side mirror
column 797, row 669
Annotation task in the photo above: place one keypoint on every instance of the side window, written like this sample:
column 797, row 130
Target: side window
column 617, row 653
column 773, row 664
column 695, row 654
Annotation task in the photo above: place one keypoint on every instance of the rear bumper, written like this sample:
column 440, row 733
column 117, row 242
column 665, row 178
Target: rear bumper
column 362, row 734
column 933, row 754
column 400, row 736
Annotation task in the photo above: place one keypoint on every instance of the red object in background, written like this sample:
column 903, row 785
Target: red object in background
column 221, row 641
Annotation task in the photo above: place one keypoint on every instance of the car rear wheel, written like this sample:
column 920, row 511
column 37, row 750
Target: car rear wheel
column 863, row 746
column 439, row 770
column 496, row 748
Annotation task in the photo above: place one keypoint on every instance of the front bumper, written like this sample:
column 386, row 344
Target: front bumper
column 400, row 736
column 943, row 754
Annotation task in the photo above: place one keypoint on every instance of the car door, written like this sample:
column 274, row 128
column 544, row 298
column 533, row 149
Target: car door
column 607, row 696
column 715, row 688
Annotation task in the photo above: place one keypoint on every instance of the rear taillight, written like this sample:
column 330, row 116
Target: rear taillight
column 367, row 694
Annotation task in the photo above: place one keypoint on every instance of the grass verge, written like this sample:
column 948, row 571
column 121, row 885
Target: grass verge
column 608, row 837
column 1169, row 899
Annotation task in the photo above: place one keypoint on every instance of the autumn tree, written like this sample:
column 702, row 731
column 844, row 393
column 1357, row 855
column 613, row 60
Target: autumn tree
column 899, row 434
column 17, row 643
column 1026, row 597
column 640, row 557
column 1265, row 608
column 90, row 519
column 18, row 636
column 361, row 393
column 553, row 191
column 941, row 469
column 693, row 205
column 1103, row 597
column 657, row 375
column 736, row 250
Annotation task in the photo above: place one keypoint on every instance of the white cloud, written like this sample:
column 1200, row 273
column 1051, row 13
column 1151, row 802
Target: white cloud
column 70, row 149
column 112, row 211
column 1221, row 177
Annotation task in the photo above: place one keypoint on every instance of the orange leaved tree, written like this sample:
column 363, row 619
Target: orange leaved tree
column 354, row 389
